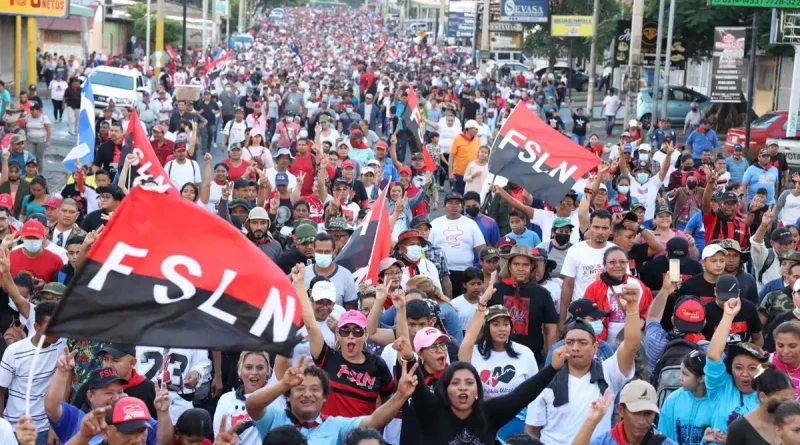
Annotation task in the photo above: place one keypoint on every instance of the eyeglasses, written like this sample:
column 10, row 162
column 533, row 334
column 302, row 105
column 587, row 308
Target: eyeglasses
column 567, row 203
column 357, row 332
column 437, row 347
column 617, row 262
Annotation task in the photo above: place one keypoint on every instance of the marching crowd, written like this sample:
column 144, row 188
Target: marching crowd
column 656, row 303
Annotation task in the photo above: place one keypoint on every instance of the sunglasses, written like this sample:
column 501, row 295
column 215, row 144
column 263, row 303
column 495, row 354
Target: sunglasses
column 357, row 332
column 696, row 355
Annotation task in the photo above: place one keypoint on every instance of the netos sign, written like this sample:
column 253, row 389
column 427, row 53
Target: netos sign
column 35, row 8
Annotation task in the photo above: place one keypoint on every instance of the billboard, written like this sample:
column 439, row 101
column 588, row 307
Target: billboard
column 571, row 26
column 57, row 9
column 222, row 7
column 461, row 24
column 524, row 11
column 649, row 40
column 728, row 66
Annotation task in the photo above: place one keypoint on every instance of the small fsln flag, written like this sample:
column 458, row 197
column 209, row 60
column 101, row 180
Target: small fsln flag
column 413, row 121
column 147, row 166
column 370, row 243
column 205, row 286
column 533, row 155
column 86, row 131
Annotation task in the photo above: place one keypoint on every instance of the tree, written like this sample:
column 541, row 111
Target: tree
column 539, row 43
column 173, row 29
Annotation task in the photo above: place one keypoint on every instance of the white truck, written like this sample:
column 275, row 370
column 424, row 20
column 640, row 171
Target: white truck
column 124, row 86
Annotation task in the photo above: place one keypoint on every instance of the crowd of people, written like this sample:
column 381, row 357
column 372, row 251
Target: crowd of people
column 658, row 302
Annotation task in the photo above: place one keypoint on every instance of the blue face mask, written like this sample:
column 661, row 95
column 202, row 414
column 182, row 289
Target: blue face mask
column 32, row 245
column 414, row 253
column 323, row 260
column 623, row 189
column 597, row 325
column 642, row 177
column 644, row 157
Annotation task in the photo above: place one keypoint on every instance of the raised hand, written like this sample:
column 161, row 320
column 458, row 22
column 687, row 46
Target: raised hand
column 301, row 178
column 92, row 236
column 94, row 423
column 629, row 298
column 299, row 274
column 207, row 158
column 599, row 408
column 26, row 431
column 383, row 291
column 275, row 203
column 487, row 294
column 403, row 348
column 559, row 357
column 66, row 363
column 227, row 436
column 408, row 381
column 226, row 190
column 9, row 241
column 161, row 402
column 732, row 307
column 130, row 159
column 294, row 375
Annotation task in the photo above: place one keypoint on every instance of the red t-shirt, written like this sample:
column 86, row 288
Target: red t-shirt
column 236, row 172
column 304, row 164
column 44, row 267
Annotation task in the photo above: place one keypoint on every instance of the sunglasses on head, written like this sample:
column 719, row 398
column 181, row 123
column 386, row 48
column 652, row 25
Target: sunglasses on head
column 357, row 332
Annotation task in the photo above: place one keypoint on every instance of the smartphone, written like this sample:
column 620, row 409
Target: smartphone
column 675, row 270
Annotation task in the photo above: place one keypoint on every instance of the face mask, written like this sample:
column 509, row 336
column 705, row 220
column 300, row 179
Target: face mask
column 597, row 325
column 642, row 177
column 12, row 305
column 414, row 253
column 473, row 211
column 691, row 185
column 323, row 260
column 349, row 110
column 561, row 239
column 694, row 108
column 623, row 189
column 644, row 157
column 32, row 245
column 227, row 90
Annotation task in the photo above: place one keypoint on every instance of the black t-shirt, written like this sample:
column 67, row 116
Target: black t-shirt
column 177, row 118
column 94, row 220
column 638, row 256
column 531, row 307
column 579, row 124
column 696, row 286
column 779, row 162
column 653, row 275
column 471, row 109
column 745, row 324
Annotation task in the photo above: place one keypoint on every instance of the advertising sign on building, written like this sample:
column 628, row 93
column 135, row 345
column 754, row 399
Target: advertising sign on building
column 222, row 7
column 649, row 39
column 728, row 66
column 57, row 9
column 461, row 24
column 524, row 11
column 571, row 26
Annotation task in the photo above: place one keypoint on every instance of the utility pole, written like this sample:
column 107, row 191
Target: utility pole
column 668, row 61
column 402, row 5
column 241, row 16
column 635, row 60
column 593, row 59
column 215, row 25
column 159, row 37
column 656, row 68
column 147, row 37
column 32, row 31
column 18, row 56
column 185, row 34
column 751, row 80
column 204, row 34
column 485, row 36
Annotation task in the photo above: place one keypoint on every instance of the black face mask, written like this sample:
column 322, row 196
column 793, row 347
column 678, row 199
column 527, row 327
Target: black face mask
column 687, row 169
column 561, row 239
column 691, row 185
column 473, row 211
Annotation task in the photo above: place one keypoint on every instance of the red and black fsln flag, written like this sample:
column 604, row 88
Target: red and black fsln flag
column 370, row 243
column 413, row 121
column 166, row 272
column 531, row 154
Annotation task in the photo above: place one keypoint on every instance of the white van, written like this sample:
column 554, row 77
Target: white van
column 124, row 86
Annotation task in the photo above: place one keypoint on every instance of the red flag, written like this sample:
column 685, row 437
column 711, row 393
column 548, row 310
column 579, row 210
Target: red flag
column 370, row 243
column 530, row 153
column 200, row 285
column 430, row 164
column 171, row 52
column 147, row 165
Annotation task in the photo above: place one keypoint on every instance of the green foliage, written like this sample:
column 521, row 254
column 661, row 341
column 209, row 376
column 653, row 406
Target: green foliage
column 173, row 29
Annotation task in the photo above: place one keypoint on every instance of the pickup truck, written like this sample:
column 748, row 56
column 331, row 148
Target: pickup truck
column 791, row 148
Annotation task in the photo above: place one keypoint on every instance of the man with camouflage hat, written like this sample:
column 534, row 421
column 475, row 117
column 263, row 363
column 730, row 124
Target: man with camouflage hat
column 303, row 251
column 340, row 230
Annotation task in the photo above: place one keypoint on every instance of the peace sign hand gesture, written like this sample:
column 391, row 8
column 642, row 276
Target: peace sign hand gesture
column 66, row 363
column 487, row 294
column 294, row 375
column 227, row 436
column 600, row 407
column 408, row 381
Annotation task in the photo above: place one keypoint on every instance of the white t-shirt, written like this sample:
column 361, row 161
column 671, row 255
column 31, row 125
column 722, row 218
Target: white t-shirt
column 332, row 137
column 180, row 174
column 791, row 210
column 448, row 134
column 14, row 371
column 554, row 285
column 235, row 409
column 583, row 263
column 545, row 218
column 611, row 103
column 465, row 310
column 57, row 89
column 214, row 196
column 6, row 432
column 271, row 172
column 500, row 374
column 150, row 361
column 646, row 194
column 560, row 425
column 235, row 132
column 458, row 238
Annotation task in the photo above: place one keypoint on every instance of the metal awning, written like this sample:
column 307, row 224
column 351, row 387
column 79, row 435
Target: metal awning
column 80, row 11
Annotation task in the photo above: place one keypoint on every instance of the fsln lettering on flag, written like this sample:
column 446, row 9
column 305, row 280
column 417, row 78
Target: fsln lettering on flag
column 205, row 286
column 147, row 166
column 530, row 153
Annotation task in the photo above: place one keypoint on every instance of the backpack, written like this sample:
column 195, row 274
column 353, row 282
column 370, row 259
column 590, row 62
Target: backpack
column 667, row 371
column 767, row 264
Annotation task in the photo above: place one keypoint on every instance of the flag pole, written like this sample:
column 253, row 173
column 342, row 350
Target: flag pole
column 30, row 374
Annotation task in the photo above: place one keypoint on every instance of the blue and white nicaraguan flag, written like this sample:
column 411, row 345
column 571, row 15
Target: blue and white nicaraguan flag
column 86, row 131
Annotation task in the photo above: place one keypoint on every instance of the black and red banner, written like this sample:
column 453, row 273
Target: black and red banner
column 531, row 154
column 370, row 243
column 412, row 119
column 147, row 166
column 177, row 277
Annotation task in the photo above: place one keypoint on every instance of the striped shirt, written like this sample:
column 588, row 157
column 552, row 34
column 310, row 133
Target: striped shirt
column 14, row 371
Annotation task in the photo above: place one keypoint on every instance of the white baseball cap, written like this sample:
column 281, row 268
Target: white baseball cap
column 471, row 124
column 323, row 290
column 713, row 249
column 633, row 123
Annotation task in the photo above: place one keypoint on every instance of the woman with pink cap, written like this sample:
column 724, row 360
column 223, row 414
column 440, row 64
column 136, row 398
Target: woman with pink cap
column 358, row 377
column 255, row 150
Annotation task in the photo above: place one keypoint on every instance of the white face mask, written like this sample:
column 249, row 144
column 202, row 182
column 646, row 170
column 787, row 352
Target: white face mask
column 414, row 253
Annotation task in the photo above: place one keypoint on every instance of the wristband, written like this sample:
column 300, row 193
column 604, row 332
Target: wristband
column 632, row 313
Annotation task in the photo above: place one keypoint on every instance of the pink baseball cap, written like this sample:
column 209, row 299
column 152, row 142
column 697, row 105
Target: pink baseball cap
column 353, row 317
column 256, row 132
column 53, row 201
column 427, row 338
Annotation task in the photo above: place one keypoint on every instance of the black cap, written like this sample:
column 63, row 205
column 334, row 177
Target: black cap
column 781, row 235
column 677, row 248
column 727, row 287
column 117, row 350
column 418, row 221
column 582, row 308
column 100, row 378
column 195, row 422
column 729, row 196
column 342, row 180
column 239, row 203
column 114, row 190
column 454, row 196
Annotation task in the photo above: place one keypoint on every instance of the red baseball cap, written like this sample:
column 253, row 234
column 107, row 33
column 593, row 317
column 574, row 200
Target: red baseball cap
column 6, row 201
column 690, row 315
column 404, row 169
column 128, row 415
column 348, row 164
column 32, row 228
column 53, row 201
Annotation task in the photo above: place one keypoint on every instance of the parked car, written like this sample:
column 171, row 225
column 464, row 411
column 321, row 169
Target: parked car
column 578, row 80
column 769, row 125
column 679, row 102
column 124, row 86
